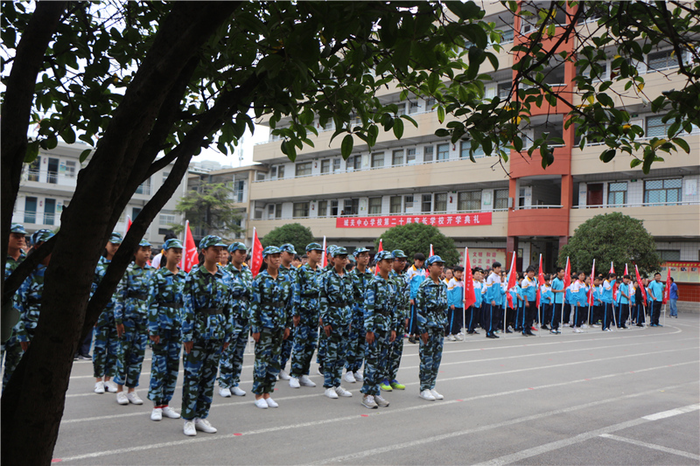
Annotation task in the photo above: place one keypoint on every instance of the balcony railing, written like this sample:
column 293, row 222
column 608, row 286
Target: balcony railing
column 417, row 214
column 636, row 204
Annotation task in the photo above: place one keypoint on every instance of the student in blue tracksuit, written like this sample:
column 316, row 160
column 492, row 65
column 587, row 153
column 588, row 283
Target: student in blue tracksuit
column 656, row 289
column 623, row 298
column 558, row 291
column 492, row 300
column 578, row 301
column 515, row 297
column 474, row 312
column 607, row 298
column 455, row 304
column 415, row 275
column 546, row 302
column 529, row 293
column 597, row 312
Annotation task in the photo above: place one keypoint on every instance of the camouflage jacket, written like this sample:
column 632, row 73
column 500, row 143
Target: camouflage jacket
column 166, row 301
column 207, row 305
column 360, row 281
column 308, row 281
column 107, row 316
column 272, row 302
column 380, row 305
column 335, row 298
column 11, row 264
column 27, row 301
column 241, row 283
column 431, row 305
column 132, row 295
column 403, row 290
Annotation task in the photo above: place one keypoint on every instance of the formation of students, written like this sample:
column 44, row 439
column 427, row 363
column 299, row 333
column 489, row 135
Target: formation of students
column 349, row 315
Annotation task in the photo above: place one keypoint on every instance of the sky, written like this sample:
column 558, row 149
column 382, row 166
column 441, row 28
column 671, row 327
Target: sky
column 248, row 142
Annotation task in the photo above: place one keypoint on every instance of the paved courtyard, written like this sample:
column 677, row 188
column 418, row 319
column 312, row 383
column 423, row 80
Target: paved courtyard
column 625, row 397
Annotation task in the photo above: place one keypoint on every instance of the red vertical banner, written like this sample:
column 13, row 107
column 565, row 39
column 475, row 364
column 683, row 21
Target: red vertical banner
column 567, row 274
column 432, row 253
column 590, row 288
column 612, row 270
column 512, row 280
column 380, row 249
column 667, row 289
column 540, row 282
column 128, row 224
column 189, row 258
column 469, row 297
column 256, row 257
column 639, row 283
column 324, row 256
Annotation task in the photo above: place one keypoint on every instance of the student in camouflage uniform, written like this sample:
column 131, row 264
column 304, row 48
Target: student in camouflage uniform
column 106, row 350
column 288, row 269
column 403, row 305
column 131, row 318
column 305, row 317
column 27, row 302
column 15, row 255
column 164, row 327
column 231, row 362
column 360, row 277
column 206, row 331
column 335, row 295
column 380, row 322
column 431, row 306
column 270, row 324
column 322, row 338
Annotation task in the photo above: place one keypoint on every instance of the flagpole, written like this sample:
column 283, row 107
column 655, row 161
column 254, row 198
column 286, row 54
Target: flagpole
column 464, row 297
column 184, row 242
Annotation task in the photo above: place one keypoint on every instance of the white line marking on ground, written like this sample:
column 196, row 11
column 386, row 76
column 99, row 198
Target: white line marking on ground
column 672, row 412
column 652, row 446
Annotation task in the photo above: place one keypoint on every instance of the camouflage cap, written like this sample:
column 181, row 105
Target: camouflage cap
column 18, row 228
column 41, row 236
column 398, row 254
column 351, row 258
column 433, row 259
column 330, row 248
column 237, row 246
column 381, row 255
column 339, row 251
column 313, row 247
column 359, row 251
column 172, row 243
column 270, row 250
column 144, row 243
column 211, row 240
column 288, row 247
column 116, row 238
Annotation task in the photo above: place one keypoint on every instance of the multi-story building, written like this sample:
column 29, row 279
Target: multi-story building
column 489, row 206
column 48, row 183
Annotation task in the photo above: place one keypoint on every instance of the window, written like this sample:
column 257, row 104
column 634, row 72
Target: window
column 413, row 107
column 49, row 211
column 166, row 219
column 402, row 108
column 395, row 205
column 410, row 156
column 53, row 171
column 662, row 191
column 427, row 203
column 500, row 199
column 70, row 170
column 144, row 188
column 280, row 172
column 278, row 210
column 259, row 176
column 351, row 207
column 334, row 208
column 303, row 169
column 428, row 154
column 441, row 202
column 464, row 148
column 658, row 61
column 325, row 166
column 135, row 211
column 238, row 190
column 617, row 193
column 378, row 160
column 375, row 205
column 443, row 152
column 301, row 209
column 669, row 254
column 504, row 90
column 507, row 36
column 336, row 165
column 34, row 167
column 656, row 127
column 408, row 203
column 354, row 163
column 322, row 209
column 30, row 210
column 469, row 201
column 429, row 104
column 397, row 157
column 270, row 211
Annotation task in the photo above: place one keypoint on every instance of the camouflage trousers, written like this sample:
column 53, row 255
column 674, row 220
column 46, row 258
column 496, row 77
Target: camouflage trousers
column 375, row 362
column 106, row 351
column 336, row 348
column 231, row 363
column 164, row 367
column 356, row 342
column 200, row 372
column 286, row 350
column 266, row 367
column 322, row 347
column 13, row 354
column 304, row 346
column 430, row 356
column 132, row 347
column 394, row 358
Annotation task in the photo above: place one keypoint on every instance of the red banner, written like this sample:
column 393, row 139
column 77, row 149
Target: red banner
column 189, row 256
column 442, row 220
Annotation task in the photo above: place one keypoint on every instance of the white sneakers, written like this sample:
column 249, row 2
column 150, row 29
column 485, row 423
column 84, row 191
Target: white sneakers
column 157, row 414
column 294, row 382
column 436, row 395
column 189, row 428
column 261, row 403
column 368, row 402
column 170, row 413
column 305, row 381
column 451, row 337
column 578, row 330
column 459, row 337
column 284, row 375
column 99, row 387
column 224, row 392
column 133, row 398
column 271, row 403
column 342, row 392
column 237, row 391
column 379, row 399
column 358, row 376
column 122, row 399
column 349, row 378
column 331, row 393
column 426, row 395
column 204, row 426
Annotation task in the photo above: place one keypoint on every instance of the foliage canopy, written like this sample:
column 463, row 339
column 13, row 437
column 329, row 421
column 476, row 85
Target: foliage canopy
column 294, row 233
column 417, row 237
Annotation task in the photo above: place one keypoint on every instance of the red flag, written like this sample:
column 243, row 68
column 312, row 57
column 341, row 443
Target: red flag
column 639, row 283
column 324, row 258
column 469, row 296
column 431, row 251
column 512, row 280
column 256, row 258
column 540, row 282
column 189, row 258
column 626, row 271
column 612, row 270
column 667, row 289
column 567, row 274
column 590, row 288
column 380, row 249
column 128, row 223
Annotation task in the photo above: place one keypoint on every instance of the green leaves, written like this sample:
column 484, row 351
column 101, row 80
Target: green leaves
column 346, row 146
